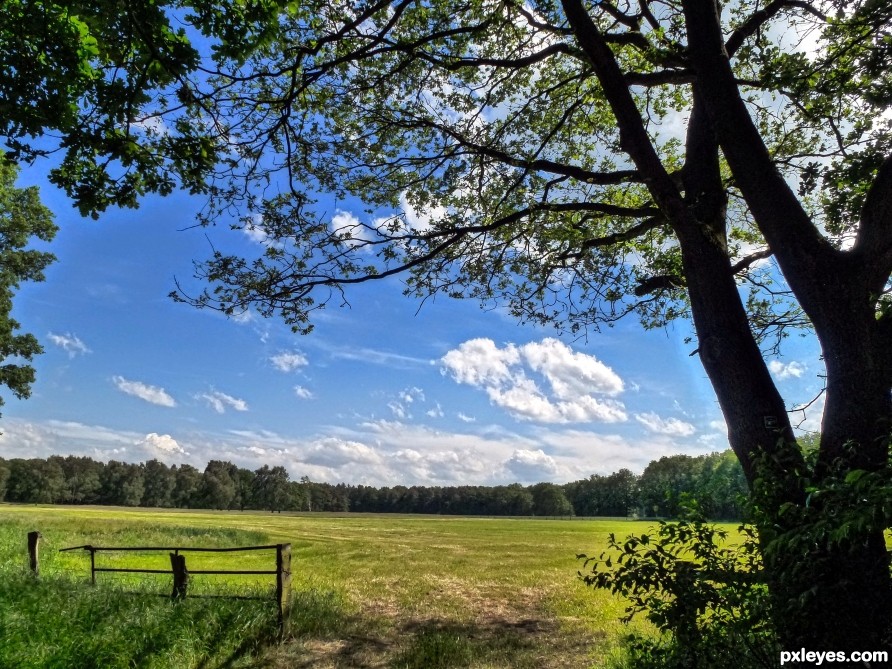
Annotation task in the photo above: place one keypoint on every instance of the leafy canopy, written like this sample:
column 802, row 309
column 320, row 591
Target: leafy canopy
column 481, row 145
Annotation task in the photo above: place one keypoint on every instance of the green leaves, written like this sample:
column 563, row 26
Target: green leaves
column 704, row 591
column 22, row 218
column 87, row 74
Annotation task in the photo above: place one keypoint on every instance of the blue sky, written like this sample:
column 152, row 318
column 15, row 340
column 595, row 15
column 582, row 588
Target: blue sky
column 380, row 393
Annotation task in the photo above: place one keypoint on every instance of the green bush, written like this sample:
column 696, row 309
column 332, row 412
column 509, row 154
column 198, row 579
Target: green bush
column 704, row 593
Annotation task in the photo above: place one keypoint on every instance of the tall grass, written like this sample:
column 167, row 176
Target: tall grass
column 59, row 620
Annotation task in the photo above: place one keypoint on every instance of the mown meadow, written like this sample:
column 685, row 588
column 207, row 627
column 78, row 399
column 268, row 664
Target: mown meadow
column 368, row 591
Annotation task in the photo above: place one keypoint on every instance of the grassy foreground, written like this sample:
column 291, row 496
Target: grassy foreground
column 369, row 591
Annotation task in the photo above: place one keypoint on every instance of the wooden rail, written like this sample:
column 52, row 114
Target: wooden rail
column 181, row 573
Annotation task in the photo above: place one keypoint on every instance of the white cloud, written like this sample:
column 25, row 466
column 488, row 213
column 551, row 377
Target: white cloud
column 145, row 392
column 333, row 452
column 571, row 373
column 465, row 418
column 401, row 407
column 303, row 393
column 219, row 401
column 243, row 317
column 409, row 395
column 719, row 426
column 288, row 361
column 669, row 426
column 580, row 387
column 153, row 126
column 372, row 453
column 53, row 437
column 374, row 357
column 532, row 466
column 436, row 412
column 162, row 444
column 809, row 416
column 479, row 362
column 783, row 371
column 69, row 343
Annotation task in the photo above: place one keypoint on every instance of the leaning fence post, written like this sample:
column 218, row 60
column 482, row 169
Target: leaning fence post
column 180, row 575
column 33, row 547
column 283, row 587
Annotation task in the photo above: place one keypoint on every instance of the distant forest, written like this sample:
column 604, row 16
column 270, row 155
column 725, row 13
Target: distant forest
column 716, row 481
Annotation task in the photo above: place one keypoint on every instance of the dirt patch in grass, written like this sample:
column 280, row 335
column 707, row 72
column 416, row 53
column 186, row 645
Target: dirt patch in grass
column 487, row 631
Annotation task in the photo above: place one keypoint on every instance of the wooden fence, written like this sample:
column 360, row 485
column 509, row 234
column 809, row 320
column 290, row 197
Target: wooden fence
column 181, row 574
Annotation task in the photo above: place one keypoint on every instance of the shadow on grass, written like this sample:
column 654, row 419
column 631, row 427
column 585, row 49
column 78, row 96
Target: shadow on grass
column 441, row 644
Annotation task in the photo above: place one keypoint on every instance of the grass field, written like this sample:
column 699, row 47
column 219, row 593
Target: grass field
column 369, row 591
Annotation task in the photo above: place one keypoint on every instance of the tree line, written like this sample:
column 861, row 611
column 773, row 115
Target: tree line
column 716, row 481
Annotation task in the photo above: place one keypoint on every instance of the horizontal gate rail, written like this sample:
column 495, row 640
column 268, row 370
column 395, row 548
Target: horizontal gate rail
column 181, row 574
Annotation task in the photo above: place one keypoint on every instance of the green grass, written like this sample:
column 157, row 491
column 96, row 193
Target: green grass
column 369, row 591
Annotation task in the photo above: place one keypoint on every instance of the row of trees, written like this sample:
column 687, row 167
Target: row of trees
column 715, row 480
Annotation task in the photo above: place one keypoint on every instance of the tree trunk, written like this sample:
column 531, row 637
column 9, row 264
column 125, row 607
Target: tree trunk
column 827, row 594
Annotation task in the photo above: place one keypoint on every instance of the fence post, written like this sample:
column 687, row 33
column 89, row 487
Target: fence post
column 283, row 587
column 180, row 575
column 33, row 548
column 92, row 566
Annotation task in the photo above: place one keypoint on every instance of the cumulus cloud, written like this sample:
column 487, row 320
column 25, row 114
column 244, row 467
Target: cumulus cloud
column 220, row 401
column 579, row 387
column 532, row 466
column 479, row 362
column 809, row 416
column 162, row 444
column 145, row 392
column 288, row 361
column 333, row 452
column 571, row 373
column 669, row 426
column 783, row 371
column 69, row 343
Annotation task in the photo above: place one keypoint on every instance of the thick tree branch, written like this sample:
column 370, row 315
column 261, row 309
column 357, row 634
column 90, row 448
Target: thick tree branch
column 799, row 248
column 659, row 78
column 660, row 283
column 634, row 232
column 874, row 240
column 633, row 135
column 746, row 263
